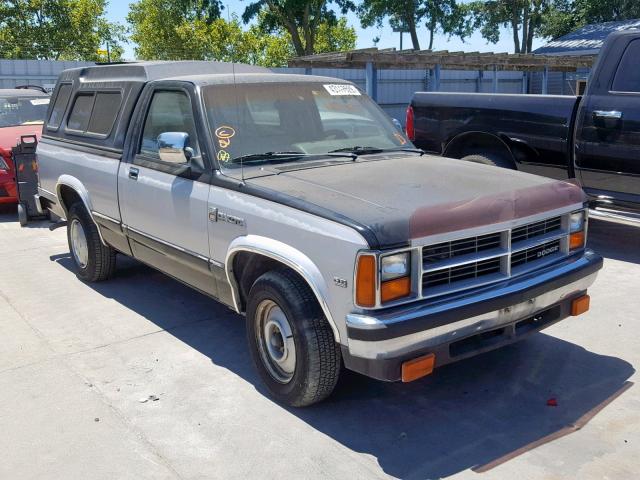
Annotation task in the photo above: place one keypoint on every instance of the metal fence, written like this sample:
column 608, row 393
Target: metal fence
column 394, row 87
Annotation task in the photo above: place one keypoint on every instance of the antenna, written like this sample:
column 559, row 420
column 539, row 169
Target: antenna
column 235, row 87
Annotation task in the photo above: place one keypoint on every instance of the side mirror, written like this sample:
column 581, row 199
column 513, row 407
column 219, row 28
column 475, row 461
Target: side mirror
column 172, row 147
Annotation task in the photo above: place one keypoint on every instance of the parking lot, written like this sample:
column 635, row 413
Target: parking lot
column 141, row 377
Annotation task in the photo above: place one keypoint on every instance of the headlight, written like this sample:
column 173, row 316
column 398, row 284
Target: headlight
column 394, row 266
column 576, row 222
column 577, row 236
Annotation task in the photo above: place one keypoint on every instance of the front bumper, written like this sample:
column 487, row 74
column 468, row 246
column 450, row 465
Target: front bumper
column 463, row 326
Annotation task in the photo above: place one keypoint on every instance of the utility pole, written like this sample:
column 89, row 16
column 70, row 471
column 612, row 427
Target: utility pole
column 108, row 54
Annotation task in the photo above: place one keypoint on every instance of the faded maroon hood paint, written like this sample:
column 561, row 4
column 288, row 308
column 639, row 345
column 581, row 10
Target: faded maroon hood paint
column 9, row 136
column 406, row 196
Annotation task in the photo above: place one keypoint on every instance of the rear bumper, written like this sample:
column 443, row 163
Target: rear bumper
column 465, row 326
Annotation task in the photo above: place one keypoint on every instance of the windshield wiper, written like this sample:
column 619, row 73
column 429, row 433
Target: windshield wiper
column 357, row 149
column 267, row 156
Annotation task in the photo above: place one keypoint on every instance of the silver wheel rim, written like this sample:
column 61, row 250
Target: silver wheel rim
column 79, row 247
column 275, row 341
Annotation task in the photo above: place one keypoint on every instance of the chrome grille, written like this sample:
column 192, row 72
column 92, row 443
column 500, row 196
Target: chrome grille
column 536, row 229
column 473, row 261
column 446, row 250
column 461, row 272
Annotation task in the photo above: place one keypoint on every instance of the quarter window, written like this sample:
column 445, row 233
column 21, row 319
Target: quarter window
column 62, row 99
column 170, row 111
column 627, row 78
column 94, row 113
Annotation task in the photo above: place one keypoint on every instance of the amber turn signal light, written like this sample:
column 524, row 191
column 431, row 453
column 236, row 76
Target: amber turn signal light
column 576, row 240
column 394, row 289
column 580, row 305
column 418, row 367
column 366, row 281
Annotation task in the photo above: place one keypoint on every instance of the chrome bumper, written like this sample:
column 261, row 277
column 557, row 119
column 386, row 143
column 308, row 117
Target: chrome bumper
column 423, row 327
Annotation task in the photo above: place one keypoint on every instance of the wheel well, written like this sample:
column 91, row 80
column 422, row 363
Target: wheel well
column 477, row 143
column 248, row 267
column 68, row 196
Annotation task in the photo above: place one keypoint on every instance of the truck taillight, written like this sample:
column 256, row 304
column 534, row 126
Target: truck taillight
column 411, row 133
column 3, row 164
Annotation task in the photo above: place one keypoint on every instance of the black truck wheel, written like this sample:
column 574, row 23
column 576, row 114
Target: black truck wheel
column 94, row 261
column 490, row 158
column 23, row 218
column 290, row 340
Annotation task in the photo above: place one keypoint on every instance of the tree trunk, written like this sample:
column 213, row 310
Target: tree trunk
column 290, row 25
column 432, row 30
column 525, row 29
column 411, row 24
column 514, row 27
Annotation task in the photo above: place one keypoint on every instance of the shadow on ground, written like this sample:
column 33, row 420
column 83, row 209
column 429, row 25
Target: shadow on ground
column 464, row 415
column 615, row 240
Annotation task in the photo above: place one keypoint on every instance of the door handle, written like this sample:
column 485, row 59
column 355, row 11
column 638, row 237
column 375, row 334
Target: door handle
column 607, row 114
column 133, row 173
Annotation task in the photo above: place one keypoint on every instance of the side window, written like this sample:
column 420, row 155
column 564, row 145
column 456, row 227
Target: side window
column 94, row 113
column 627, row 78
column 80, row 113
column 105, row 111
column 64, row 92
column 170, row 111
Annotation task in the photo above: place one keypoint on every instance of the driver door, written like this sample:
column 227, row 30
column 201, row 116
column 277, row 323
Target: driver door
column 163, row 204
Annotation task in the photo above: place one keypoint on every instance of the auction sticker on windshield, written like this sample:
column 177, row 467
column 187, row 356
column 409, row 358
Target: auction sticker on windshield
column 341, row 89
column 40, row 101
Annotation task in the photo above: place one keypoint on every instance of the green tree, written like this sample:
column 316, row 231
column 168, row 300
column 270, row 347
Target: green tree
column 523, row 17
column 57, row 30
column 569, row 15
column 439, row 16
column 159, row 27
column 301, row 19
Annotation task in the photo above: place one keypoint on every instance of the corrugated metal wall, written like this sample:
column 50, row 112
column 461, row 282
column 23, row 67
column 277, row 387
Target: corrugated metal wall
column 395, row 87
column 33, row 72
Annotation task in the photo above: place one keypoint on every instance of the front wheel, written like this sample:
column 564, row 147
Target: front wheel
column 290, row 340
column 94, row 260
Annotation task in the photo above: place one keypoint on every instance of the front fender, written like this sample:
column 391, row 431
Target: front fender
column 286, row 255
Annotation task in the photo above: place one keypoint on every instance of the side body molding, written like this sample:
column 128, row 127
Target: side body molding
column 286, row 255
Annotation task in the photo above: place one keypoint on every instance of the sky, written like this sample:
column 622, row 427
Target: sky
column 117, row 11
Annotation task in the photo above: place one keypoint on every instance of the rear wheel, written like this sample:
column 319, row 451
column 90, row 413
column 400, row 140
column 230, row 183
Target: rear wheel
column 290, row 340
column 94, row 260
column 490, row 158
column 22, row 214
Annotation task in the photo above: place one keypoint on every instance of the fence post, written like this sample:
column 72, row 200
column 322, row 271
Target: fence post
column 495, row 79
column 545, row 80
column 308, row 71
column 371, row 81
column 564, row 83
column 479, row 81
column 525, row 82
column 435, row 87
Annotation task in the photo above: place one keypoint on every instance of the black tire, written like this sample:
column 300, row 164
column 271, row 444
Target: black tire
column 490, row 158
column 100, row 259
column 23, row 218
column 317, row 355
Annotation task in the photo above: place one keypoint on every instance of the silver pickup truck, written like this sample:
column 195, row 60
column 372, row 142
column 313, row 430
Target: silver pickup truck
column 295, row 201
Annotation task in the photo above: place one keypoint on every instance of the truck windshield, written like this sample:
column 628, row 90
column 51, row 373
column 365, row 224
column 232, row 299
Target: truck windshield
column 22, row 110
column 293, row 122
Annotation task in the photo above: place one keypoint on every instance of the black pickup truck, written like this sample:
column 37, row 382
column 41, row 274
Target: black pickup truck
column 594, row 138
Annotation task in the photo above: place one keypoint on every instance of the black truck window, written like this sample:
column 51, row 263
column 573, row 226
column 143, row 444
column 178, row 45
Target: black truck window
column 170, row 111
column 627, row 78
column 94, row 113
column 62, row 99
column 105, row 111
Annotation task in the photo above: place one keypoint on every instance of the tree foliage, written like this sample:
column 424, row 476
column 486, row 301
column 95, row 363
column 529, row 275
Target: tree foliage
column 57, row 30
column 569, row 15
column 523, row 17
column 439, row 16
column 163, row 30
column 301, row 19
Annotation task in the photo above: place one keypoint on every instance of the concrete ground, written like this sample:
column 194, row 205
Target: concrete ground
column 78, row 361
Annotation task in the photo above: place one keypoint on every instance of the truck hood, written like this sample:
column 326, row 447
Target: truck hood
column 400, row 197
column 10, row 136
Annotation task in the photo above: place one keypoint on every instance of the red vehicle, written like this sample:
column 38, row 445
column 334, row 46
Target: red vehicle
column 22, row 112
